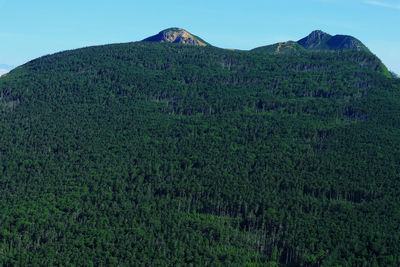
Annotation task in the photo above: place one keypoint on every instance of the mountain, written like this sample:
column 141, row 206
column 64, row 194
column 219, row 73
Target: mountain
column 319, row 40
column 315, row 41
column 149, row 153
column 178, row 36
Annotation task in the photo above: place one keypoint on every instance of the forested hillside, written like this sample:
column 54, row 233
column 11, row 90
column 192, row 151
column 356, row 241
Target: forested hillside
column 165, row 154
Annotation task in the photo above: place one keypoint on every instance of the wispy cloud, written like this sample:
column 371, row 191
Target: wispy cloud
column 383, row 4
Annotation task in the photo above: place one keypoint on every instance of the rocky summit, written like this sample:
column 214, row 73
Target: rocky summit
column 176, row 35
column 314, row 40
column 319, row 40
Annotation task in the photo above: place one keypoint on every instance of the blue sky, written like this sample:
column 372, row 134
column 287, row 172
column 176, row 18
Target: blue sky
column 30, row 29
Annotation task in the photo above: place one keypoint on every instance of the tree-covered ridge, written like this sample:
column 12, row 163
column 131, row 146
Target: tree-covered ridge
column 164, row 154
column 288, row 47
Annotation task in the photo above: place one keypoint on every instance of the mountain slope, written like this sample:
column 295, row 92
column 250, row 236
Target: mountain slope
column 158, row 154
column 288, row 47
column 176, row 35
column 319, row 41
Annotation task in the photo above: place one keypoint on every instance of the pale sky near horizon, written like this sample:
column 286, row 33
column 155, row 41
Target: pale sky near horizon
column 30, row 29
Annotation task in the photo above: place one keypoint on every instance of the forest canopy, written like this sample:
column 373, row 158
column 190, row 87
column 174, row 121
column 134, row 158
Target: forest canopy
column 165, row 154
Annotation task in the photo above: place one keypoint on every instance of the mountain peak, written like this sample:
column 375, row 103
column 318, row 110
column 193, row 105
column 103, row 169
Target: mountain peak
column 176, row 35
column 319, row 40
column 318, row 33
column 314, row 40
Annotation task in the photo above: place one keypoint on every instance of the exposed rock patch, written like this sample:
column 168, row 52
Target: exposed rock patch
column 176, row 35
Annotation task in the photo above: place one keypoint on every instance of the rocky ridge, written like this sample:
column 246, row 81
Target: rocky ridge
column 176, row 35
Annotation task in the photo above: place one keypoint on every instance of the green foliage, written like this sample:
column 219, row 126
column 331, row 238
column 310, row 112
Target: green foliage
column 289, row 47
column 160, row 154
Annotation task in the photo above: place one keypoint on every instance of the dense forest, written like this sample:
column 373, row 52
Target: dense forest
column 148, row 154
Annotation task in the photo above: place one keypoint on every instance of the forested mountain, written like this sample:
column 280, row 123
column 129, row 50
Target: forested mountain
column 151, row 153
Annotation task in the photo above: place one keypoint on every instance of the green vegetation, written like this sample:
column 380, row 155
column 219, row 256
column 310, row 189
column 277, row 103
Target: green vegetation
column 289, row 47
column 162, row 154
